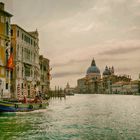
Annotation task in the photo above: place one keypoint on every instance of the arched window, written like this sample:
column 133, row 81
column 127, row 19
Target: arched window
column 6, row 55
column 11, row 50
column 7, row 28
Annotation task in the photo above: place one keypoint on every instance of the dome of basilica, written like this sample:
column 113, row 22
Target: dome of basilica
column 93, row 68
column 108, row 71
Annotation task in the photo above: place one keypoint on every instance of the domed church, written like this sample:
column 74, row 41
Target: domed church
column 91, row 82
column 108, row 71
column 93, row 71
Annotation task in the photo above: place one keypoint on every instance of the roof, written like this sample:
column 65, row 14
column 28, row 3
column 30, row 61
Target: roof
column 93, row 69
column 41, row 57
column 121, row 83
column 84, row 78
column 4, row 12
column 23, row 30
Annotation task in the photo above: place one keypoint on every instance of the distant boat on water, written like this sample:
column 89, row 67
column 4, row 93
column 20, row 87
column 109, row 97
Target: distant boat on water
column 70, row 93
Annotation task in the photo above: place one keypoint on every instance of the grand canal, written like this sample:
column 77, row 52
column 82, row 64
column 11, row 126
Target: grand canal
column 79, row 117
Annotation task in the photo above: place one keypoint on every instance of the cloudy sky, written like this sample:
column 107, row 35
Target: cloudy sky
column 72, row 32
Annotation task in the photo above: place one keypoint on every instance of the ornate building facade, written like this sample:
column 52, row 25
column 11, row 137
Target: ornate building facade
column 26, row 76
column 44, row 74
column 5, row 52
column 109, row 79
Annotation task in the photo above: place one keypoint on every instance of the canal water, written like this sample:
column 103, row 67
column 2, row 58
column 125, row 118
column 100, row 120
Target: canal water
column 79, row 117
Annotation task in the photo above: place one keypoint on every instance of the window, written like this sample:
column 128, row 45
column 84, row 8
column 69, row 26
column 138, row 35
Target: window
column 11, row 32
column 18, row 33
column 7, row 19
column 2, row 42
column 31, row 73
column 6, row 55
column 45, row 68
column 7, row 74
column 17, row 71
column 22, row 85
column 27, row 71
column 11, row 49
column 22, row 52
column 2, row 71
column 31, row 57
column 2, row 19
column 41, row 66
column 28, row 90
column 22, row 72
column 6, row 86
column 22, row 37
column 17, row 52
column 11, row 75
column 7, row 28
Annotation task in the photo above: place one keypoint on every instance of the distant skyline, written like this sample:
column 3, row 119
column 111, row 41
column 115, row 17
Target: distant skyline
column 72, row 32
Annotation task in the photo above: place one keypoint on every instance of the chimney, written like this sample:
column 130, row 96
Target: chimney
column 2, row 6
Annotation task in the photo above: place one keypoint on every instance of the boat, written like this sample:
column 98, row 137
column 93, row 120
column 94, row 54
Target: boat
column 6, row 106
column 20, row 106
column 70, row 94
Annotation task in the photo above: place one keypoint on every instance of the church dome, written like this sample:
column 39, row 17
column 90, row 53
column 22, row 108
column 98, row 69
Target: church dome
column 93, row 68
column 107, row 71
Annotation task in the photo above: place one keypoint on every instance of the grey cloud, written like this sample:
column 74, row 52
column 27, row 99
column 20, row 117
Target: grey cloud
column 71, row 62
column 120, row 50
column 88, row 60
column 127, row 69
column 65, row 74
column 133, row 71
column 51, row 10
column 103, row 60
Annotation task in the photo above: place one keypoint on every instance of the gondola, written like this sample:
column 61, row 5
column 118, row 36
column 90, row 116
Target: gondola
column 22, row 106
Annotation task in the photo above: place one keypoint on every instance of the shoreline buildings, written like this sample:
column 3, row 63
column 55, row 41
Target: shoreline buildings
column 21, row 68
column 107, row 83
column 68, row 90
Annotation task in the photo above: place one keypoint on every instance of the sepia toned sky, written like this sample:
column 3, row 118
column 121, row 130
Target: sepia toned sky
column 72, row 32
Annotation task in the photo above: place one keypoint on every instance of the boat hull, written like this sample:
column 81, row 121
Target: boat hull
column 21, row 107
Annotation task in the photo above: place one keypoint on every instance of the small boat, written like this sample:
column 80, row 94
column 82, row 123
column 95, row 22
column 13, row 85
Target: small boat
column 70, row 93
column 17, row 106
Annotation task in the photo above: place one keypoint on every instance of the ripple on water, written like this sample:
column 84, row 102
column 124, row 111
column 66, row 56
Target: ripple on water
column 80, row 117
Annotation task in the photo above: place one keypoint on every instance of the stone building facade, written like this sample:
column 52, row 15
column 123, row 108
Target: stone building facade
column 26, row 75
column 44, row 74
column 109, row 78
column 126, row 87
column 91, row 83
column 5, row 52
